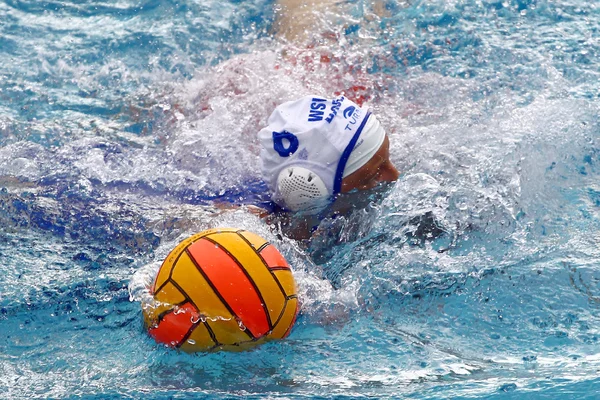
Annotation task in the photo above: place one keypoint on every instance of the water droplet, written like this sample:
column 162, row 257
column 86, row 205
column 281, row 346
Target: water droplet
column 241, row 325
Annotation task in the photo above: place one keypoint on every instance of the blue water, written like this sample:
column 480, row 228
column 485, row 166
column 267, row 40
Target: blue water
column 123, row 124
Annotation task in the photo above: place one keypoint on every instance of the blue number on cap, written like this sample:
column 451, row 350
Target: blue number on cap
column 279, row 145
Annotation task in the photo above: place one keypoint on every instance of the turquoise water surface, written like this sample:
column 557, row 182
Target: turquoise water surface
column 123, row 123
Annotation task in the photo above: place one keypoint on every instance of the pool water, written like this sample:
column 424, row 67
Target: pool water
column 125, row 125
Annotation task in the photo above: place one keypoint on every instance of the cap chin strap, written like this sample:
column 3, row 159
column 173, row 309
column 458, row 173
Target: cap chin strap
column 302, row 190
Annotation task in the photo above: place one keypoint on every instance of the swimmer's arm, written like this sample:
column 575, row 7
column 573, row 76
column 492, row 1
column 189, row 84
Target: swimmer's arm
column 295, row 228
column 298, row 21
column 281, row 221
column 292, row 226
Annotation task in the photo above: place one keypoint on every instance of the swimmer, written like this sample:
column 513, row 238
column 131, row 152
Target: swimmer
column 321, row 157
column 318, row 156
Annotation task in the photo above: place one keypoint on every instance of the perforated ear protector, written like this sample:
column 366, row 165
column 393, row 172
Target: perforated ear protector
column 302, row 190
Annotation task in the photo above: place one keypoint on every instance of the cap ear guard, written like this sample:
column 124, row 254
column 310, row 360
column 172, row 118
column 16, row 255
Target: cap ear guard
column 302, row 190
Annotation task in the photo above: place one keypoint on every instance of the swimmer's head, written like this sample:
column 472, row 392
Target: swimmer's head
column 315, row 148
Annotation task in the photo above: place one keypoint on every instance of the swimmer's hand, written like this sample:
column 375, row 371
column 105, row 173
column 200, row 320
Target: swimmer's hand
column 259, row 212
column 224, row 207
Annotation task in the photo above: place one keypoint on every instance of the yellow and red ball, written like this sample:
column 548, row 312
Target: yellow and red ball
column 222, row 289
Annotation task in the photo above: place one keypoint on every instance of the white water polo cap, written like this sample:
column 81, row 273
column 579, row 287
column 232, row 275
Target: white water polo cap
column 308, row 145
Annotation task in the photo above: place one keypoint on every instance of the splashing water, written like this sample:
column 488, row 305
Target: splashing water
column 124, row 125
